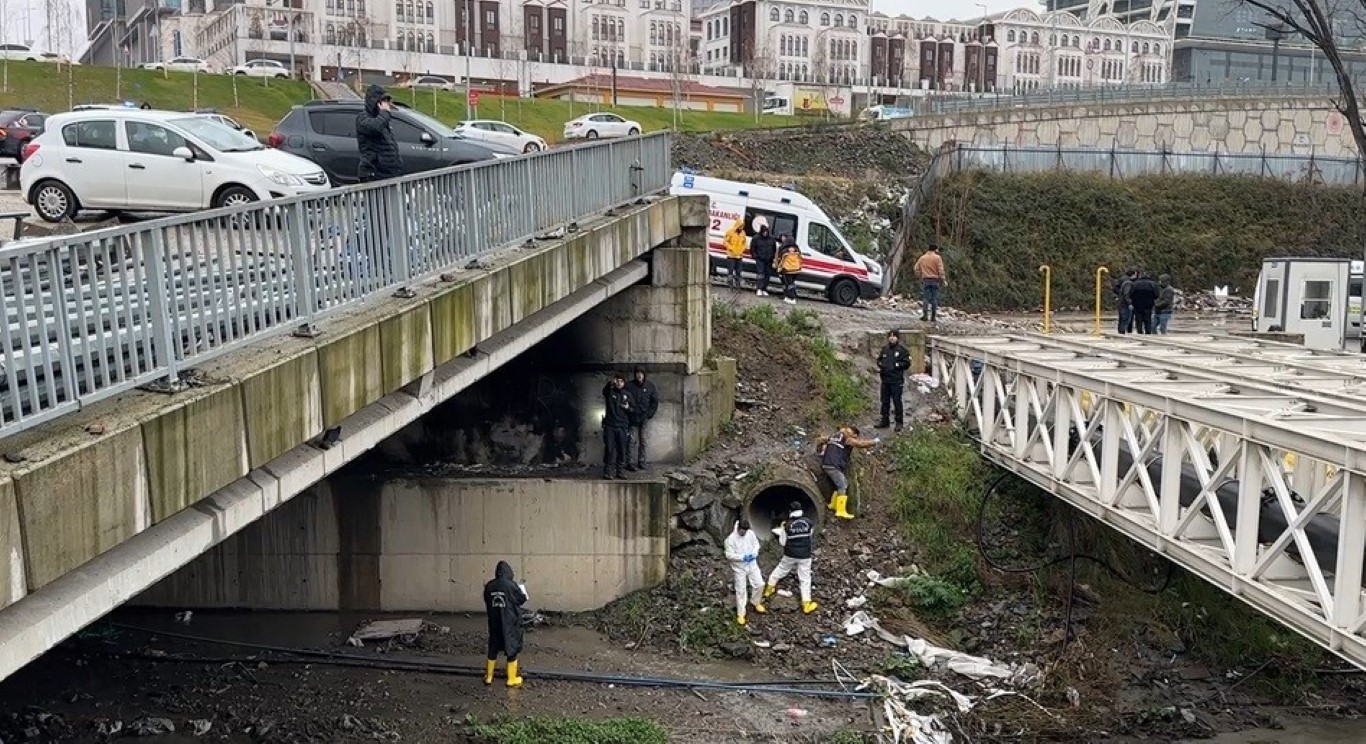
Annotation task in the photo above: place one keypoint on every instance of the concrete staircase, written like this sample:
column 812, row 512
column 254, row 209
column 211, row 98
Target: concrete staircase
column 334, row 90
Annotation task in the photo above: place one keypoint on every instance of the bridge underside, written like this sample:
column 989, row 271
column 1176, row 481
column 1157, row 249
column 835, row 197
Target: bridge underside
column 1243, row 462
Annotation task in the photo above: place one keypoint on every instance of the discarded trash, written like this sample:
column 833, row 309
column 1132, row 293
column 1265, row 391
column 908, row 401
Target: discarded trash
column 380, row 630
column 798, row 712
column 829, row 641
column 152, row 726
column 184, row 617
column 854, row 603
column 857, row 623
column 354, row 641
column 108, row 728
column 931, row 656
column 925, row 380
column 784, row 593
column 763, row 644
column 1073, row 697
column 201, row 726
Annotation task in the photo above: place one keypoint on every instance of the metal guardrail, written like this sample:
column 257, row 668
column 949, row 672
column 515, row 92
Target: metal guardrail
column 1128, row 163
column 94, row 314
column 932, row 105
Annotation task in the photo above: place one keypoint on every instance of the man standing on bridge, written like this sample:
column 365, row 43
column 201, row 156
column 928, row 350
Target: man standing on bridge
column 503, row 600
column 615, row 418
column 379, row 158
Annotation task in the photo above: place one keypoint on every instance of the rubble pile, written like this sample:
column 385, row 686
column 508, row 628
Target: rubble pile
column 850, row 151
column 1213, row 301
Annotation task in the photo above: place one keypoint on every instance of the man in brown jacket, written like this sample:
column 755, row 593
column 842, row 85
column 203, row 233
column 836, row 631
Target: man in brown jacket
column 929, row 268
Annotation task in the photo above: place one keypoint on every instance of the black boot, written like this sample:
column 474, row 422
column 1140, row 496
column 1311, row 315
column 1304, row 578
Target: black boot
column 883, row 424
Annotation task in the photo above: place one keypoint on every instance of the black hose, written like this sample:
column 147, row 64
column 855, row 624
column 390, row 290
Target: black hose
column 335, row 658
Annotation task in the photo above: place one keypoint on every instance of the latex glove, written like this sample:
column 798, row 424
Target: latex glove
column 749, row 558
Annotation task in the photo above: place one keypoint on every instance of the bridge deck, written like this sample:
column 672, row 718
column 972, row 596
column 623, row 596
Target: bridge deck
column 1246, row 465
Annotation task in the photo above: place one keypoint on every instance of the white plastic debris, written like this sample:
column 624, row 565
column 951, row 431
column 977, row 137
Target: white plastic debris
column 857, row 623
column 930, row 656
column 925, row 381
column 784, row 593
column 854, row 603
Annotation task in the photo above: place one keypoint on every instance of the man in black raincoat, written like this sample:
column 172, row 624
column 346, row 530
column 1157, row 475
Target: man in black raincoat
column 503, row 600
column 379, row 158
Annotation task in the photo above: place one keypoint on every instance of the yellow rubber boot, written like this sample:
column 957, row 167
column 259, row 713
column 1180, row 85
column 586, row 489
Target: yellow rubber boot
column 760, row 608
column 739, row 619
column 809, row 607
column 488, row 671
column 834, row 499
column 841, row 505
column 514, row 680
column 769, row 590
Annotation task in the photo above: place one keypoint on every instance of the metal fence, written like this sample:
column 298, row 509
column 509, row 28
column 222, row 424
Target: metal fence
column 931, row 105
column 1128, row 163
column 97, row 313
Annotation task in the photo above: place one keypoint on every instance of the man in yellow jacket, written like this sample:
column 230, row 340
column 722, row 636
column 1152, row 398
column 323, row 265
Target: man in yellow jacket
column 735, row 253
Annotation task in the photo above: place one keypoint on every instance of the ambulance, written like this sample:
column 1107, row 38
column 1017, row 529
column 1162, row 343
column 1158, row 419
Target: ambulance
column 829, row 265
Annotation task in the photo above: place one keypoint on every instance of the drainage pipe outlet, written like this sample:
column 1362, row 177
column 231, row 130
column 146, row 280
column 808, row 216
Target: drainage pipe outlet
column 768, row 499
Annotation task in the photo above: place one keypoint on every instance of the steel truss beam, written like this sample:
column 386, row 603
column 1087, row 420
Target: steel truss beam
column 1258, row 489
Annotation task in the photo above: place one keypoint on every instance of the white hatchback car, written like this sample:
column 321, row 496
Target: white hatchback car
column 266, row 68
column 19, row 52
column 593, row 126
column 500, row 133
column 181, row 64
column 154, row 161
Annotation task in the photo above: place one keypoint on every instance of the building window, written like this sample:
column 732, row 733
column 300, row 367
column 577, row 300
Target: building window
column 1034, row 38
column 839, row 20
column 1010, row 36
column 853, row 20
column 788, row 16
column 825, row 19
column 804, row 18
column 1157, row 48
column 431, row 13
column 773, row 15
column 1145, row 47
column 805, row 53
column 331, row 34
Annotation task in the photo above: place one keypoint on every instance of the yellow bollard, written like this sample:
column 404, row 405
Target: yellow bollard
column 1100, row 282
column 1047, row 272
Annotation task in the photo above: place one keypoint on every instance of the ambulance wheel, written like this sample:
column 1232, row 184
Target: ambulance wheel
column 844, row 292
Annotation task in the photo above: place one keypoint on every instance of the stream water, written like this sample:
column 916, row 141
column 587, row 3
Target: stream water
column 1296, row 732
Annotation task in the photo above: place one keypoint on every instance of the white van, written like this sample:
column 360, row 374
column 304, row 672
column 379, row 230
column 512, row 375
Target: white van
column 829, row 264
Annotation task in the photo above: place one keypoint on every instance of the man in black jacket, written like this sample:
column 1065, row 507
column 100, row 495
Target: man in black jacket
column 644, row 406
column 1142, row 296
column 615, row 418
column 763, row 248
column 503, row 600
column 797, row 536
column 379, row 158
column 892, row 364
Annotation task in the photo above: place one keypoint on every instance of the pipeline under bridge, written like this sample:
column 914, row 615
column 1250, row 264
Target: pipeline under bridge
column 1242, row 461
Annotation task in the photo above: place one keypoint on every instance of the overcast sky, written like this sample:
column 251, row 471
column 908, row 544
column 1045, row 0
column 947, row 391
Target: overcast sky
column 22, row 20
column 946, row 9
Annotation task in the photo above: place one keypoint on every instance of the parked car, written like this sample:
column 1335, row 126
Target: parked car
column 266, row 68
column 325, row 132
column 56, row 58
column 181, row 64
column 502, row 133
column 18, row 52
column 593, row 126
column 429, row 82
column 17, row 128
column 225, row 120
column 153, row 161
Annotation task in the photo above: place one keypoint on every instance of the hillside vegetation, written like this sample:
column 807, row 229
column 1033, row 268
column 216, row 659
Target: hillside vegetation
column 996, row 229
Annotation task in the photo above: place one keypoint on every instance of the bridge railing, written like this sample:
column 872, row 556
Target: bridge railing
column 1119, row 163
column 932, row 105
column 90, row 315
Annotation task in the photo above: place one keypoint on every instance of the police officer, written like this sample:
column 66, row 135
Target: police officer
column 892, row 364
column 615, row 420
column 797, row 536
column 503, row 600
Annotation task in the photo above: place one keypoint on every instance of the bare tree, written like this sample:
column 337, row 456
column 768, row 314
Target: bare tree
column 1314, row 21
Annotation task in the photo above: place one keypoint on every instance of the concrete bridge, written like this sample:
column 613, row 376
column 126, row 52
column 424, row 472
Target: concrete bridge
column 1233, row 122
column 155, row 401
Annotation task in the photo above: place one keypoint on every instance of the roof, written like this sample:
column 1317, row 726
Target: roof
column 642, row 85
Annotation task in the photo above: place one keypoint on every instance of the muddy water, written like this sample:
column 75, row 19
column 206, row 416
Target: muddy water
column 1296, row 732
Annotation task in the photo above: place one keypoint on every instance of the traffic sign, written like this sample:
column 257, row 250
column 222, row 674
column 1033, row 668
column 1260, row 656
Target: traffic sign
column 474, row 98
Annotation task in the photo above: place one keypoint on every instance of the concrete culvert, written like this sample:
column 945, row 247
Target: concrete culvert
column 768, row 499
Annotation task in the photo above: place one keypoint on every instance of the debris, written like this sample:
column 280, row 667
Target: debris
column 95, row 429
column 380, row 630
column 784, row 593
column 762, row 644
column 200, row 726
column 857, row 623
column 354, row 641
column 854, row 603
column 152, row 726
column 781, row 647
column 829, row 641
column 1073, row 697
column 108, row 728
column 738, row 650
column 184, row 617
column 798, row 712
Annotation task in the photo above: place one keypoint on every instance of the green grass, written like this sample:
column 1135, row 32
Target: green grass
column 546, row 118
column 256, row 103
column 571, row 731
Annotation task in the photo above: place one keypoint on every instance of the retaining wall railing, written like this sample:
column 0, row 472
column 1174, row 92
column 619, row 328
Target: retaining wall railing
column 932, row 105
column 94, row 314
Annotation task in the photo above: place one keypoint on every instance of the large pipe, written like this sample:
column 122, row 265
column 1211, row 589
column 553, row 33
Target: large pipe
column 767, row 498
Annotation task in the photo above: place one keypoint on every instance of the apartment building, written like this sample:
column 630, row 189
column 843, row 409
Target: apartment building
column 800, row 40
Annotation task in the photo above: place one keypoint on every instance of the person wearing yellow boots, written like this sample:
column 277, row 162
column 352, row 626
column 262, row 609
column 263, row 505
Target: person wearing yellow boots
column 835, row 452
column 797, row 536
column 503, row 600
column 742, row 550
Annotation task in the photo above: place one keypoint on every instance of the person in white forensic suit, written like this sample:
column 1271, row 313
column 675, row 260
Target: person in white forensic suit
column 742, row 550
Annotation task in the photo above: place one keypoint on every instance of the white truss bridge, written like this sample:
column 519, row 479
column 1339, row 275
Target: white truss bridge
column 1242, row 461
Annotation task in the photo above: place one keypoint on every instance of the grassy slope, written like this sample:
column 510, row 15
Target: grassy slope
column 260, row 105
column 546, row 118
column 996, row 230
column 255, row 103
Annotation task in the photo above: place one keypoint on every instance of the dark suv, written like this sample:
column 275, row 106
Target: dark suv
column 325, row 132
column 18, row 127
